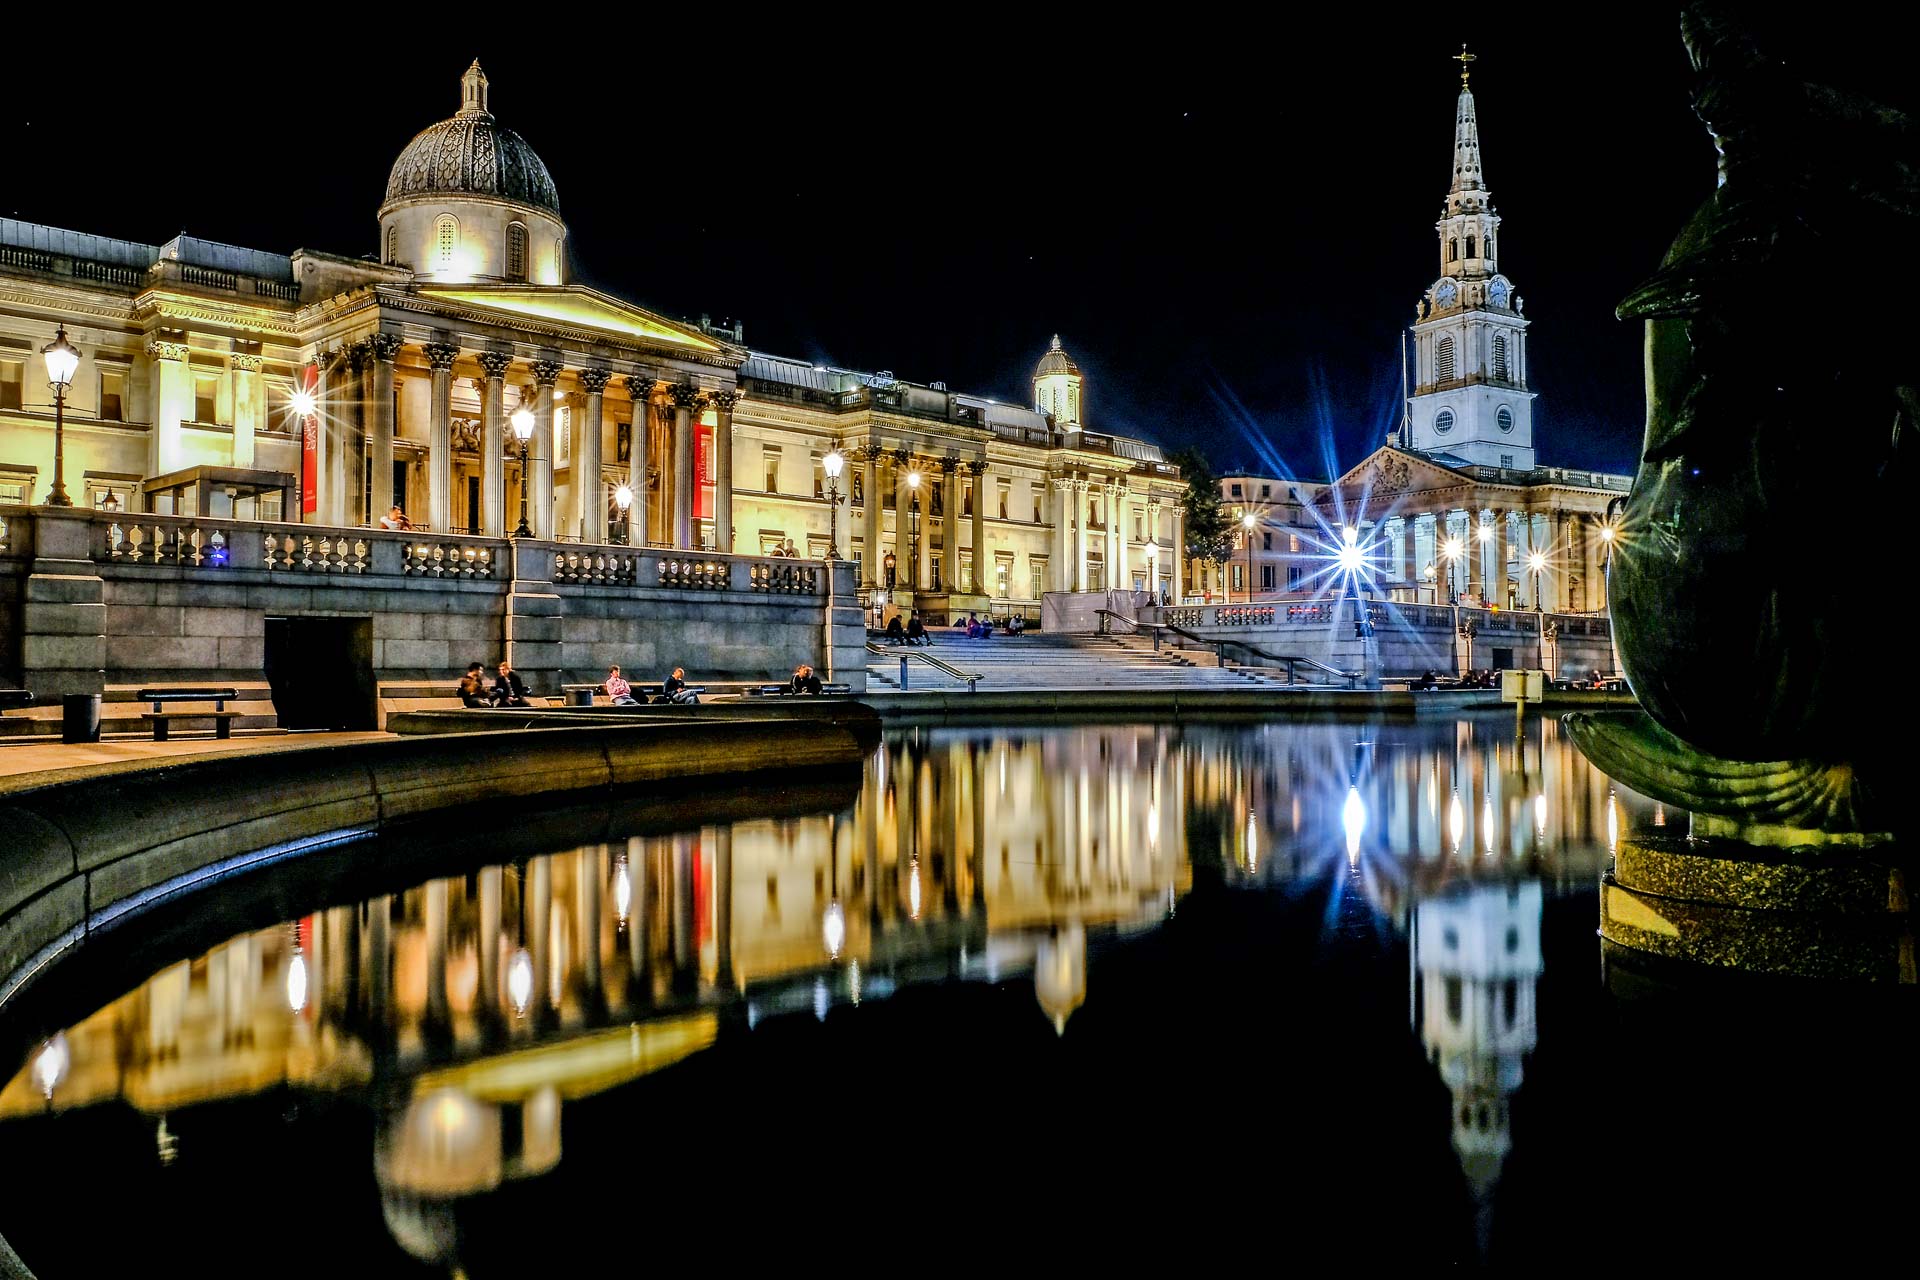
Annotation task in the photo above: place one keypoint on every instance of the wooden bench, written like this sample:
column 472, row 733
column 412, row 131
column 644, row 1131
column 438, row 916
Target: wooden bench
column 786, row 690
column 222, row 718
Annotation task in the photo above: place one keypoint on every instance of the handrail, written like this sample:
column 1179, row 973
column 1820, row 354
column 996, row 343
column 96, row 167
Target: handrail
column 1288, row 661
column 970, row 678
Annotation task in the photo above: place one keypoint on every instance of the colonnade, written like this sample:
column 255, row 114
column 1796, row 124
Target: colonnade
column 1491, row 554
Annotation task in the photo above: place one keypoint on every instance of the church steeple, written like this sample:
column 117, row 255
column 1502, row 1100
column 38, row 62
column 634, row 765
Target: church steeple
column 1469, row 188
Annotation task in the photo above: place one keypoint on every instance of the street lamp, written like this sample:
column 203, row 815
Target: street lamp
column 1153, row 579
column 1607, row 535
column 62, row 360
column 623, row 499
column 1536, row 563
column 913, row 524
column 833, row 464
column 1450, row 550
column 523, row 432
column 1247, row 522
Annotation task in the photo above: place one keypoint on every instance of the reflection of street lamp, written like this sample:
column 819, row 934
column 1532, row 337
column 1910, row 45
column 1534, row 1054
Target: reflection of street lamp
column 1247, row 522
column 832, row 465
column 523, row 432
column 62, row 360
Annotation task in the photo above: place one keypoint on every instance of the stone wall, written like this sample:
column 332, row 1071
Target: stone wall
column 87, row 602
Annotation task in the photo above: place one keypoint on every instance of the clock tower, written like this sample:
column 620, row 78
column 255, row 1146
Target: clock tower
column 1469, row 399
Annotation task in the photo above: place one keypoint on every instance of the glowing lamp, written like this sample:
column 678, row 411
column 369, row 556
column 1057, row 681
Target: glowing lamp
column 1536, row 561
column 913, row 479
column 1452, row 549
column 623, row 498
column 1485, row 532
column 833, row 464
column 520, row 980
column 1606, row 533
column 522, row 424
column 1247, row 521
column 62, row 360
column 297, row 982
column 303, row 403
column 1153, row 549
column 622, row 887
column 1350, row 555
column 50, row 1064
column 1353, row 816
column 833, row 929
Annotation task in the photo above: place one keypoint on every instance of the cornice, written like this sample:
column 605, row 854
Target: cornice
column 547, row 331
column 161, row 304
column 123, row 312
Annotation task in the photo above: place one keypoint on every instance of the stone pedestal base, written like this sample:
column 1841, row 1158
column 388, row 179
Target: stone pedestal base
column 1811, row 912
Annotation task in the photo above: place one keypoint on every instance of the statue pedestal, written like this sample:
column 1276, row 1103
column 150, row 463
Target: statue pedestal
column 1822, row 912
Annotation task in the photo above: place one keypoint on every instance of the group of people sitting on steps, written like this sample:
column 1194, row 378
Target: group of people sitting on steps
column 509, row 690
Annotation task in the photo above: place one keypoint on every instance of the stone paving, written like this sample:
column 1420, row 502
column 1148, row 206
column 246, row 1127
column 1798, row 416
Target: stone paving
column 35, row 756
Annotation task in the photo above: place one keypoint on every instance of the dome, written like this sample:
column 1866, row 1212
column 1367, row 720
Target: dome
column 1056, row 361
column 471, row 155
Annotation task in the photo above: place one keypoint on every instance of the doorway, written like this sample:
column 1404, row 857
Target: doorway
column 321, row 672
column 1503, row 660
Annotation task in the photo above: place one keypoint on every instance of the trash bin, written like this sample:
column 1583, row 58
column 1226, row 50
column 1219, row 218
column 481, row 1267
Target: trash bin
column 580, row 697
column 80, row 717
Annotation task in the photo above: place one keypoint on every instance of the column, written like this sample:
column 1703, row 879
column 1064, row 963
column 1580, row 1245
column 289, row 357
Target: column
column 383, row 347
column 870, row 550
column 488, row 999
column 1503, row 557
column 1122, row 527
column 1591, row 548
column 923, row 552
column 949, row 524
column 354, row 432
column 1476, row 557
column 1567, row 549
column 1077, row 503
column 902, row 523
column 723, row 893
column 1062, row 537
column 982, row 558
column 723, row 403
column 248, row 405
column 1409, row 566
column 171, row 396
column 640, row 392
column 540, row 463
column 686, row 397
column 493, row 443
column 440, row 357
column 1179, row 552
column 335, row 417
column 592, row 502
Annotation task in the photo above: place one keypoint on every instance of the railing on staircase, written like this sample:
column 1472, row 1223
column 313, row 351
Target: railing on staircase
column 971, row 678
column 1292, row 662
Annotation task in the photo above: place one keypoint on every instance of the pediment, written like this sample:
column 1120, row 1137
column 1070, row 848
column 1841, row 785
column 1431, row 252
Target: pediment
column 575, row 308
column 1388, row 471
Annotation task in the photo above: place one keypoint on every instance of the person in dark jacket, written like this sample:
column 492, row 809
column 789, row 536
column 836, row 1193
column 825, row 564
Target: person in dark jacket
column 804, row 681
column 674, row 688
column 473, row 686
column 917, row 630
column 896, row 634
column 509, row 690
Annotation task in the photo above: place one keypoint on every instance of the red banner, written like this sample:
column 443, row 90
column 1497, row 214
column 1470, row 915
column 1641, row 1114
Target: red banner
column 703, row 472
column 310, row 444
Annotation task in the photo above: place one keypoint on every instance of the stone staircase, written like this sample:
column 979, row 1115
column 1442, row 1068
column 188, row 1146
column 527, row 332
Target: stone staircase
column 1043, row 661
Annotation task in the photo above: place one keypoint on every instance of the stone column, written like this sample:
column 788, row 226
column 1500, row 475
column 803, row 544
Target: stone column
column 540, row 463
column 172, row 399
column 1122, row 532
column 592, row 501
column 1409, row 563
column 1179, row 552
column 440, row 357
column 949, row 524
column 383, row 347
column 640, row 392
column 247, row 406
column 357, row 427
column 982, row 558
column 1503, row 557
column 1568, row 546
column 686, row 398
column 902, row 520
column 1476, row 557
column 870, row 549
column 723, row 403
column 493, row 443
column 1062, row 539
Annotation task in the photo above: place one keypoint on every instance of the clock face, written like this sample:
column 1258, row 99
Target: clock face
column 1497, row 293
column 1446, row 293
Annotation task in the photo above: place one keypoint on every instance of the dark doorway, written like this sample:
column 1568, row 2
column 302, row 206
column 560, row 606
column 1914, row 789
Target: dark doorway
column 321, row 672
column 473, row 504
column 1503, row 660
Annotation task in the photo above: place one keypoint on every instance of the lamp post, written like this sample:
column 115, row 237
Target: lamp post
column 1536, row 564
column 833, row 464
column 1431, row 576
column 62, row 360
column 1606, row 560
column 523, row 432
column 623, row 499
column 1246, row 523
column 913, row 524
column 1450, row 552
column 1153, row 579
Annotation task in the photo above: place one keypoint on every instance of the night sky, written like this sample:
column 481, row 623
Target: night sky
column 1228, row 227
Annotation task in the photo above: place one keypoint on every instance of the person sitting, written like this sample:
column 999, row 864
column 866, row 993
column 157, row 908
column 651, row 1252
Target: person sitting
column 473, row 686
column 509, row 690
column 619, row 692
column 917, row 630
column 804, row 681
column 1016, row 624
column 895, row 633
column 674, row 689
column 1429, row 680
column 395, row 519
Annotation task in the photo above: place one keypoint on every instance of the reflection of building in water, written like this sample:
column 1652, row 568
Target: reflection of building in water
column 490, row 999
column 1477, row 952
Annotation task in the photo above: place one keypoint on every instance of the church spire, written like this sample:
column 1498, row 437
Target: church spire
column 1466, row 147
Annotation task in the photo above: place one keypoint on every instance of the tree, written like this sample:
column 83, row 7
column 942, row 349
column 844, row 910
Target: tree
column 1207, row 533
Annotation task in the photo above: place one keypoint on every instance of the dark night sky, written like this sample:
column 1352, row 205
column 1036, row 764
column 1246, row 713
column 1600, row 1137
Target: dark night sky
column 1228, row 227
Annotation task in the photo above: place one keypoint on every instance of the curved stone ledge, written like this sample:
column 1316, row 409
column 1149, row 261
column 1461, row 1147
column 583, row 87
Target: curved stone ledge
column 78, row 852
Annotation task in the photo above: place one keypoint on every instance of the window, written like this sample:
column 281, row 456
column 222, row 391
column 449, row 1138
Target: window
column 560, row 259
column 16, row 488
column 1293, row 577
column 10, row 378
column 1443, row 421
column 1506, row 461
column 1236, row 490
column 516, row 251
column 1293, row 543
column 1489, row 244
column 966, row 497
column 1513, row 940
column 1509, row 1000
column 859, row 498
column 1470, row 246
column 1266, row 577
column 1037, row 569
column 1139, row 525
column 1500, row 357
column 1239, row 578
column 1503, row 418
column 937, row 499
column 1006, row 491
column 206, row 392
column 1454, row 1002
column 1266, row 542
column 393, row 245
column 1037, row 517
column 819, row 478
column 1453, row 249
column 446, row 239
column 1266, row 491
column 771, row 467
column 1443, row 371
column 113, row 390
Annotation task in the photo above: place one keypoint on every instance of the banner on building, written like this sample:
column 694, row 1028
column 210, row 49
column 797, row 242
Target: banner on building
column 310, row 442
column 703, row 472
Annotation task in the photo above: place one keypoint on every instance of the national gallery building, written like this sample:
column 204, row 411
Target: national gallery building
column 323, row 389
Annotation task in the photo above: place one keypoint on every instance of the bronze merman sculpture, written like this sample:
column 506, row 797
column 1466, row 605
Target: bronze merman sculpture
column 1751, row 587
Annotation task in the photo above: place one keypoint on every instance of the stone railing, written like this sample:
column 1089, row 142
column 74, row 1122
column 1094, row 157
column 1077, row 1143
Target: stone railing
column 606, row 566
column 1416, row 617
column 789, row 577
column 444, row 558
column 163, row 540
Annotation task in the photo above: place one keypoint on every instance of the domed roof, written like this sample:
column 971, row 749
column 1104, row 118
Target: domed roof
column 471, row 155
column 1056, row 361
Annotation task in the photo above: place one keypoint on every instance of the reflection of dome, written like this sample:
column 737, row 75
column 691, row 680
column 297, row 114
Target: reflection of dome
column 471, row 155
column 1055, row 361
column 1060, row 973
column 424, row 1228
column 445, row 1144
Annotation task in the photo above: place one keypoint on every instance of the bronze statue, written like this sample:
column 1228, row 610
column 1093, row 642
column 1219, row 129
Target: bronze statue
column 1758, row 579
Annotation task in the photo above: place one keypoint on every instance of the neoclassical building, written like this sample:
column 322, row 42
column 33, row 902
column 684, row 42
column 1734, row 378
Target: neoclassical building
column 1455, row 502
column 197, row 357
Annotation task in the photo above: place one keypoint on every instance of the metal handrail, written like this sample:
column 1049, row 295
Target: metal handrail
column 971, row 678
column 1290, row 662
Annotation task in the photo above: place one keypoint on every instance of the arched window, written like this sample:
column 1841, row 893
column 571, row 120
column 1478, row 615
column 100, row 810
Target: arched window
column 1469, row 246
column 1503, row 418
column 1073, row 404
column 1500, row 356
column 1443, row 421
column 560, row 260
column 1443, row 371
column 516, row 251
column 1453, row 249
column 446, row 239
column 1489, row 244
column 393, row 245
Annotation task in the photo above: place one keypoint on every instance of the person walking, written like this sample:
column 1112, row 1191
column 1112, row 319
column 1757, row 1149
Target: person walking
column 509, row 690
column 619, row 692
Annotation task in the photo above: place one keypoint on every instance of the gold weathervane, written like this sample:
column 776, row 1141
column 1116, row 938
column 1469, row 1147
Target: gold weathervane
column 1463, row 58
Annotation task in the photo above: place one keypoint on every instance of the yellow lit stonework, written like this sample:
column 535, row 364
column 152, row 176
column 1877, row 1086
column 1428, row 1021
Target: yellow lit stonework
column 577, row 307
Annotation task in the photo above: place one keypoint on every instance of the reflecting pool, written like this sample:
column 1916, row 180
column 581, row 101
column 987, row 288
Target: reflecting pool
column 1064, row 996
